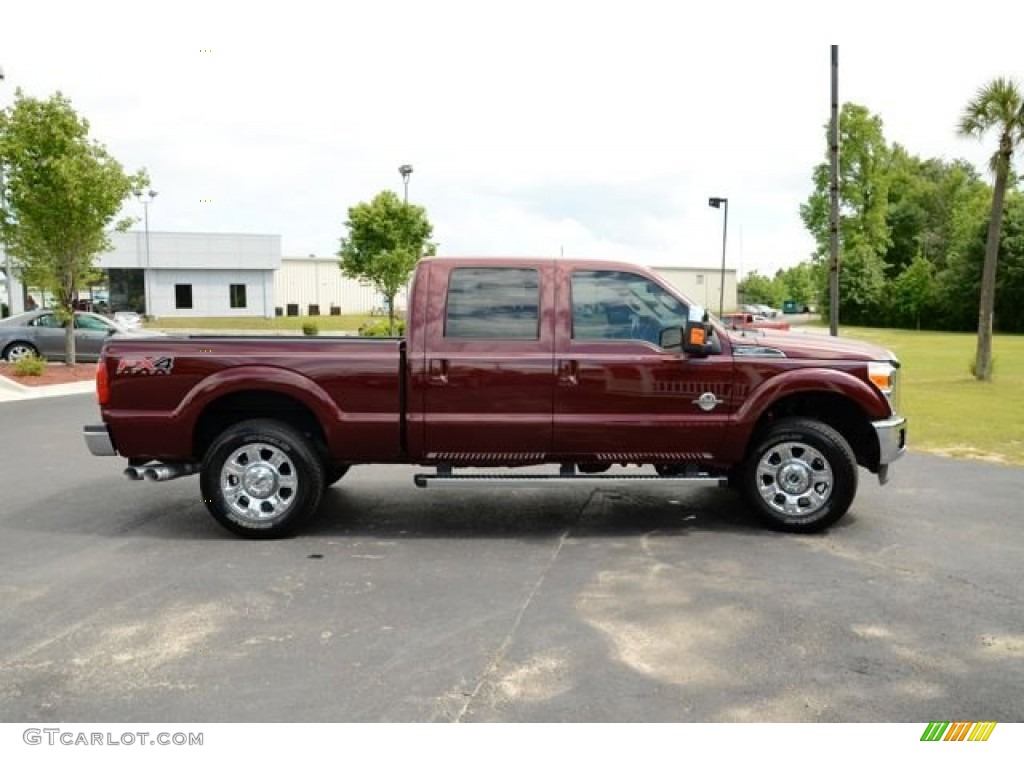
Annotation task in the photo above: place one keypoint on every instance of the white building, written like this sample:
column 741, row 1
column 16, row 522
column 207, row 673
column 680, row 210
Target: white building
column 315, row 285
column 703, row 285
column 192, row 274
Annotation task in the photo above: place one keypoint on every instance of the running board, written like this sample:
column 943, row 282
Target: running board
column 448, row 478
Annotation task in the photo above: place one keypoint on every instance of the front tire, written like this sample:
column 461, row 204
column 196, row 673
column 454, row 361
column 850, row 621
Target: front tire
column 261, row 478
column 19, row 350
column 801, row 476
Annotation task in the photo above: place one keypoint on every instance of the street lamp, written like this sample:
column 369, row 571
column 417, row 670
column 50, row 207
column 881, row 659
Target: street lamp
column 406, row 171
column 7, row 254
column 721, row 202
column 145, row 272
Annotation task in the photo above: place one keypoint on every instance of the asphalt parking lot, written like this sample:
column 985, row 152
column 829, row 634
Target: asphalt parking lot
column 125, row 602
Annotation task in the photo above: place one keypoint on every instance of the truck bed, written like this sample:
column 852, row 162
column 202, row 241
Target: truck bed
column 162, row 387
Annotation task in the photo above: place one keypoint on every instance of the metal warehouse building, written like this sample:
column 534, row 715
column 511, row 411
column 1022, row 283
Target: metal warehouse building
column 315, row 285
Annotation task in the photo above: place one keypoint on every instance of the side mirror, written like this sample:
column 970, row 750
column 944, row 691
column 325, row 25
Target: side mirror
column 697, row 339
column 694, row 339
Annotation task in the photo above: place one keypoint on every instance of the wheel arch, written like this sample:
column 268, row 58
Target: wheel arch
column 835, row 409
column 244, row 405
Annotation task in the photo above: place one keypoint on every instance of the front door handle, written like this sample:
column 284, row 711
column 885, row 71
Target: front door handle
column 438, row 372
column 568, row 371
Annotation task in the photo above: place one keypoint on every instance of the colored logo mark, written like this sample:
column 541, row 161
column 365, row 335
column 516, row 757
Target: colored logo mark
column 958, row 731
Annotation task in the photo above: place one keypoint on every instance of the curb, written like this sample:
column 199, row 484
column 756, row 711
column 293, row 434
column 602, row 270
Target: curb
column 12, row 390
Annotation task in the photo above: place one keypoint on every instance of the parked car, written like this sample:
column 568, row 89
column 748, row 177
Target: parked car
column 743, row 321
column 41, row 332
column 131, row 320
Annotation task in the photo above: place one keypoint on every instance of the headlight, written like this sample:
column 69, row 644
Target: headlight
column 886, row 376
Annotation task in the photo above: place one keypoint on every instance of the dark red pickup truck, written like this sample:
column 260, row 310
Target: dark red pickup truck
column 508, row 363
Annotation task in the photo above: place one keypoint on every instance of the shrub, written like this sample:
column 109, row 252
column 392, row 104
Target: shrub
column 310, row 329
column 29, row 366
column 382, row 328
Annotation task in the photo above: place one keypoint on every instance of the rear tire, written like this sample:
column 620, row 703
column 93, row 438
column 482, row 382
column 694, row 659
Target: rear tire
column 261, row 478
column 801, row 476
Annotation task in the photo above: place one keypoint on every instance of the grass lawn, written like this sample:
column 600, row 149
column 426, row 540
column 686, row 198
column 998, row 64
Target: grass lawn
column 950, row 412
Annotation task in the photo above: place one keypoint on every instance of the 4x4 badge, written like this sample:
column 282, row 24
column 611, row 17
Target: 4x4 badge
column 707, row 401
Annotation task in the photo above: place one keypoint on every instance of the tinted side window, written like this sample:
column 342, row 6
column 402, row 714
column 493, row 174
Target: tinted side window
column 622, row 305
column 493, row 303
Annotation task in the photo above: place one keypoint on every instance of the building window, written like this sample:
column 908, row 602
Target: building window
column 493, row 303
column 183, row 296
column 238, row 295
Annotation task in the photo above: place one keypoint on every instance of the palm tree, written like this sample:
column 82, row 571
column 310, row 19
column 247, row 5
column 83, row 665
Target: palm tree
column 1000, row 105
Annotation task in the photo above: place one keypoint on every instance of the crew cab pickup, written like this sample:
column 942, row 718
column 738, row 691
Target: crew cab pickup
column 571, row 366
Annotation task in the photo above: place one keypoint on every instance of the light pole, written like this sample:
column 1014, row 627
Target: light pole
column 145, row 272
column 721, row 202
column 406, row 171
column 7, row 254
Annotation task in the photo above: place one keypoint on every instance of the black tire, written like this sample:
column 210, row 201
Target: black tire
column 279, row 487
column 334, row 473
column 18, row 349
column 801, row 476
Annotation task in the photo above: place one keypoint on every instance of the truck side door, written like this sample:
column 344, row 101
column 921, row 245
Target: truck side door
column 620, row 397
column 484, row 380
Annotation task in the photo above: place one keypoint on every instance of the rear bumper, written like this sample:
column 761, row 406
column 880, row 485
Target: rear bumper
column 98, row 441
column 892, row 443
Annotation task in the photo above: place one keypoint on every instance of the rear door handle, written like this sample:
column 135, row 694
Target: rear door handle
column 568, row 371
column 438, row 371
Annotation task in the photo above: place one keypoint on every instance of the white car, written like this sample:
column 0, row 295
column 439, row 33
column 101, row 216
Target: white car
column 130, row 320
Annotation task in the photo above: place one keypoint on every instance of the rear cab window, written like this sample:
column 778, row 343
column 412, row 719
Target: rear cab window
column 493, row 303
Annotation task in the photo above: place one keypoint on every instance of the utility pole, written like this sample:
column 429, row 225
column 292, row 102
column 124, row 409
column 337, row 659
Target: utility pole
column 833, row 229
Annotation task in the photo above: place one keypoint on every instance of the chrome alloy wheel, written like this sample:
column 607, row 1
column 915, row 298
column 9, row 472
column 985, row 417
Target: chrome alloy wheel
column 259, row 482
column 19, row 351
column 794, row 479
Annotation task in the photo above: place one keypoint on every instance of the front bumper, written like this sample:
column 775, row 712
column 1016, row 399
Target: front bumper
column 98, row 441
column 892, row 443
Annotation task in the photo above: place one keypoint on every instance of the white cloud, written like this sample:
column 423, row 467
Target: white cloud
column 601, row 128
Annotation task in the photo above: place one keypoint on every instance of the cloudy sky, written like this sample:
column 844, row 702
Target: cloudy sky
column 593, row 129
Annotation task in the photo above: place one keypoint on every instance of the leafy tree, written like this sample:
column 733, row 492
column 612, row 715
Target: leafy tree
column 798, row 283
column 914, row 289
column 755, row 288
column 997, row 105
column 861, row 286
column 386, row 237
column 863, row 186
column 63, row 192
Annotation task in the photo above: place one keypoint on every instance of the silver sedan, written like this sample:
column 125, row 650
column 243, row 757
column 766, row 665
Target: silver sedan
column 41, row 333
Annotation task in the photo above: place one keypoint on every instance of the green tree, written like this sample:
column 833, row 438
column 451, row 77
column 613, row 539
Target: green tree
column 798, row 284
column 914, row 290
column 386, row 237
column 863, row 186
column 63, row 191
column 755, row 288
column 997, row 105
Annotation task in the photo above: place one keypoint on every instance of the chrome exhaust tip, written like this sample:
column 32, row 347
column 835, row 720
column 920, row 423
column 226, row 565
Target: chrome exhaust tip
column 133, row 473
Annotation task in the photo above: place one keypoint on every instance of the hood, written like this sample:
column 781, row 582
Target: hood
column 808, row 346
